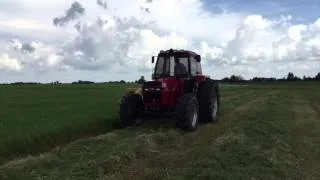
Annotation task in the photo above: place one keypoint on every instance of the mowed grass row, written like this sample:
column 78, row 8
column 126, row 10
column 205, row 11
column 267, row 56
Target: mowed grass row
column 35, row 118
column 266, row 132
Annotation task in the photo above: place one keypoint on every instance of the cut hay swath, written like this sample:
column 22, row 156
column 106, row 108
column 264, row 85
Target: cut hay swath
column 133, row 91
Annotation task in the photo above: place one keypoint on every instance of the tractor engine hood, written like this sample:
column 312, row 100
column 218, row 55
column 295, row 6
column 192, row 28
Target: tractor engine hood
column 162, row 83
column 152, row 85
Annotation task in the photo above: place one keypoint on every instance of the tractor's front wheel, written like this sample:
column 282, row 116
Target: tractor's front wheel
column 187, row 112
column 130, row 109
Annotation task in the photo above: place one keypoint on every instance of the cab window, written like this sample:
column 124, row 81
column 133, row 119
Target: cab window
column 193, row 65
column 198, row 64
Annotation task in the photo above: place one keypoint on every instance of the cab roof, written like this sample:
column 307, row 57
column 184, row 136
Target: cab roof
column 179, row 51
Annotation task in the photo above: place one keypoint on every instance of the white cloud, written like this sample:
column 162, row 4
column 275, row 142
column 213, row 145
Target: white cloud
column 120, row 42
column 36, row 55
column 123, row 39
column 260, row 40
column 21, row 24
column 113, row 42
column 9, row 64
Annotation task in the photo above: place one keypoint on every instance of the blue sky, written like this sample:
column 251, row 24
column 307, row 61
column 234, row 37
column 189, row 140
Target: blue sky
column 244, row 37
column 302, row 11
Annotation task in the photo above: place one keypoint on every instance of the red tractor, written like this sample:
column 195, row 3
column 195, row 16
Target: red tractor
column 178, row 86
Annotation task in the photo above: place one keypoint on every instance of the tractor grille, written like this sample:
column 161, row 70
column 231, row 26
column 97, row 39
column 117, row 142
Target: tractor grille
column 152, row 84
column 152, row 92
column 152, row 96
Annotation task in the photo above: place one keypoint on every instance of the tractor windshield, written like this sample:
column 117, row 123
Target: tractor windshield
column 181, row 66
column 162, row 67
column 178, row 66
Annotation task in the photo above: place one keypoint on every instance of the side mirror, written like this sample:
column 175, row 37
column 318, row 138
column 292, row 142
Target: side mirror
column 152, row 59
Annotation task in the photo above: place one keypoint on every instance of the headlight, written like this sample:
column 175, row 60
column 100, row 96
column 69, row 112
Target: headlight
column 164, row 85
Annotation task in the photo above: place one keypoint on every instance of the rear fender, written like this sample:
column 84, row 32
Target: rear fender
column 200, row 78
column 190, row 86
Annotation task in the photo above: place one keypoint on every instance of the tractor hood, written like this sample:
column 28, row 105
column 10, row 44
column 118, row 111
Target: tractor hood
column 163, row 83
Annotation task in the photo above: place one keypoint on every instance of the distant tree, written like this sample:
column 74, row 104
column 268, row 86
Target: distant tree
column 141, row 80
column 236, row 78
column 23, row 83
column 290, row 76
column 226, row 79
column 83, row 82
column 317, row 77
column 262, row 79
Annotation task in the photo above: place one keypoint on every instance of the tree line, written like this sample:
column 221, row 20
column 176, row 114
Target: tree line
column 233, row 78
column 290, row 77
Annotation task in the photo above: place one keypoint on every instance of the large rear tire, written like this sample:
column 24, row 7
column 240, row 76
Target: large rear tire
column 187, row 112
column 130, row 109
column 209, row 104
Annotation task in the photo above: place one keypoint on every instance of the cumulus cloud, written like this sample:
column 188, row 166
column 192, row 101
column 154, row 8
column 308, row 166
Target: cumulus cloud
column 143, row 9
column 72, row 13
column 261, row 40
column 36, row 55
column 116, row 42
column 103, row 44
column 27, row 48
column 9, row 64
column 102, row 3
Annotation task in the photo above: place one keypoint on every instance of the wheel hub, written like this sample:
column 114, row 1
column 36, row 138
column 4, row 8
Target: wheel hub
column 194, row 118
column 214, row 107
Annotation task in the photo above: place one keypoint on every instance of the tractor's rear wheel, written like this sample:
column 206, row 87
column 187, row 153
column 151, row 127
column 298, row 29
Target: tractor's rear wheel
column 187, row 112
column 130, row 109
column 209, row 104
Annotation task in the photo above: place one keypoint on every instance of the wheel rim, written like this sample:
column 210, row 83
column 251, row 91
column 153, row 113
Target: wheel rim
column 214, row 108
column 194, row 118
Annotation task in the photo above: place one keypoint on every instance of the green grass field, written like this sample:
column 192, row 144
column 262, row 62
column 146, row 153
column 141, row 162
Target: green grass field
column 269, row 131
column 35, row 118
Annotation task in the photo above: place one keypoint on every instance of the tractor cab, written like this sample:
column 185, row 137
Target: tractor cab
column 176, row 63
column 176, row 72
